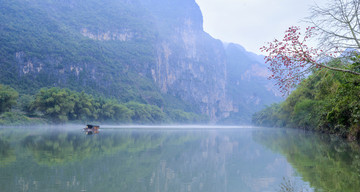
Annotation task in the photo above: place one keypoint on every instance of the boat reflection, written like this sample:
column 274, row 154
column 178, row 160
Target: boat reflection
column 90, row 131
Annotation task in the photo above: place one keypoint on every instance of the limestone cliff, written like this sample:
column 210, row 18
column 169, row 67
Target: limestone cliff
column 223, row 80
column 144, row 50
column 191, row 64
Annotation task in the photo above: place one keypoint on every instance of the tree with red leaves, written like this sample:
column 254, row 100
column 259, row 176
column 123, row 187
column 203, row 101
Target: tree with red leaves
column 337, row 27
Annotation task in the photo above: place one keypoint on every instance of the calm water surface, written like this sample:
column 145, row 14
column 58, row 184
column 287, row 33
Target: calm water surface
column 155, row 159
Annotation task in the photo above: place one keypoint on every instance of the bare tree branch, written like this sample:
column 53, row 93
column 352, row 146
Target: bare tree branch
column 338, row 23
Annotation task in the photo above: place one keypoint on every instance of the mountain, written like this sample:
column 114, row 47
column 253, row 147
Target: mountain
column 150, row 51
column 248, row 86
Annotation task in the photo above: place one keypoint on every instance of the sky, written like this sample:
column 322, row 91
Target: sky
column 252, row 23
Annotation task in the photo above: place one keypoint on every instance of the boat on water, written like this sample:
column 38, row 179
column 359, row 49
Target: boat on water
column 91, row 129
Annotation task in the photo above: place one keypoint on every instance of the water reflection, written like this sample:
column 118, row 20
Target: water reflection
column 90, row 132
column 327, row 162
column 141, row 160
column 7, row 154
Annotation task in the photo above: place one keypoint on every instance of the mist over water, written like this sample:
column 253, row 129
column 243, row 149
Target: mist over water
column 176, row 127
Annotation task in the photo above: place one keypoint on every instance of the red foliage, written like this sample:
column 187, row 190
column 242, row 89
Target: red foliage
column 290, row 59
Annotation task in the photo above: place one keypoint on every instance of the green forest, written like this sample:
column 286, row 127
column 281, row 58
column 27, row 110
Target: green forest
column 56, row 105
column 327, row 101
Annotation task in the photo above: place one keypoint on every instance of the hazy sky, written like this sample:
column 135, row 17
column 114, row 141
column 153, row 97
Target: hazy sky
column 251, row 23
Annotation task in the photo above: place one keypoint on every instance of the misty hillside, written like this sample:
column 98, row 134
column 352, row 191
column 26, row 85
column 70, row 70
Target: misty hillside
column 149, row 51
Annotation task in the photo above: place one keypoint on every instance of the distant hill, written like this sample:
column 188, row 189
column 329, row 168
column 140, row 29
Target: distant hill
column 149, row 51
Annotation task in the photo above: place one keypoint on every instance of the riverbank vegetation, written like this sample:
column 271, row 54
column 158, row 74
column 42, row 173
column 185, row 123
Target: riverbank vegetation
column 325, row 81
column 327, row 101
column 56, row 105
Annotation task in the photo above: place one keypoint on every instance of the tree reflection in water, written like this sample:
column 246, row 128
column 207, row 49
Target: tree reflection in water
column 328, row 163
column 142, row 160
column 7, row 154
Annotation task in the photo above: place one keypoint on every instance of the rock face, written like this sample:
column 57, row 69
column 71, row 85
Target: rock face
column 191, row 64
column 113, row 46
column 202, row 70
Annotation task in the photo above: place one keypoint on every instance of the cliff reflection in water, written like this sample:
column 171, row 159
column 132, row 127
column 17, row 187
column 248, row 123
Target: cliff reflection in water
column 328, row 163
column 138, row 160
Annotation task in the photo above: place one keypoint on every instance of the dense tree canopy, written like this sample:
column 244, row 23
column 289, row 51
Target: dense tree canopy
column 8, row 97
column 326, row 101
column 58, row 105
column 61, row 105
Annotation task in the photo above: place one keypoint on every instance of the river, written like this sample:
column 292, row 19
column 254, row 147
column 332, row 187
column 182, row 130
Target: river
column 177, row 158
